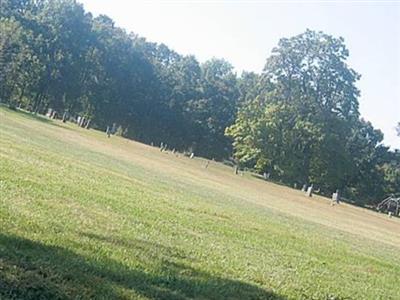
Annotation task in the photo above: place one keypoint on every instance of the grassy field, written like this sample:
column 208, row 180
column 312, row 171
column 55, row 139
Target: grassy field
column 83, row 216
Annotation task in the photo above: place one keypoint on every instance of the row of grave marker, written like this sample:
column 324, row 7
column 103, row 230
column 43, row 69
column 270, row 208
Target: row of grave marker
column 164, row 147
column 80, row 121
column 309, row 190
column 85, row 123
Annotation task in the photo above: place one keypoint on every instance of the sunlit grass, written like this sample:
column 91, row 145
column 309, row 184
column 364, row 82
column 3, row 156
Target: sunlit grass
column 83, row 216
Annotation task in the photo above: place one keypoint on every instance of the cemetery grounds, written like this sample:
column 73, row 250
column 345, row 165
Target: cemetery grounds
column 86, row 216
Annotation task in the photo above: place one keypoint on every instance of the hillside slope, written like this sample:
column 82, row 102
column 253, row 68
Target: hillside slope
column 84, row 216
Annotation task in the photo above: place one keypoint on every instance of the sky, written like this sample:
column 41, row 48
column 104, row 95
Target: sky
column 244, row 33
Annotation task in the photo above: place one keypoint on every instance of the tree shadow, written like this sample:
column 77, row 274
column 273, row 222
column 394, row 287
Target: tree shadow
column 141, row 245
column 33, row 270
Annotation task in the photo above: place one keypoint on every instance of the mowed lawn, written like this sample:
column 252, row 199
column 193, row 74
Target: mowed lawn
column 87, row 217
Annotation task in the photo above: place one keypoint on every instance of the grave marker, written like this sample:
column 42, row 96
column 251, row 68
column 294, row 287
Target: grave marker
column 309, row 191
column 64, row 117
column 87, row 124
column 235, row 170
column 335, row 198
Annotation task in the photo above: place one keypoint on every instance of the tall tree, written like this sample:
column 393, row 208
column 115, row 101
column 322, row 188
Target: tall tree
column 299, row 127
column 216, row 109
column 298, row 120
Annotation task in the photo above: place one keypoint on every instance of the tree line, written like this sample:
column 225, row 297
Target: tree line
column 298, row 120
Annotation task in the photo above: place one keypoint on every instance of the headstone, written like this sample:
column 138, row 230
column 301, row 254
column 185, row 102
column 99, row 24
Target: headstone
column 304, row 188
column 78, row 121
column 49, row 112
column 265, row 175
column 87, row 126
column 235, row 170
column 173, row 151
column 309, row 191
column 152, row 144
column 65, row 117
column 336, row 197
column 161, row 146
column 108, row 131
column 192, row 155
column 295, row 185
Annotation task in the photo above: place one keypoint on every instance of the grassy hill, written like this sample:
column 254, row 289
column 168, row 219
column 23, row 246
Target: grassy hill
column 83, row 216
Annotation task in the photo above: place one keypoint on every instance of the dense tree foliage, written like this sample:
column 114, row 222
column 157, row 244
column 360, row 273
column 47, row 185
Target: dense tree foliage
column 55, row 55
column 303, row 126
column 298, row 120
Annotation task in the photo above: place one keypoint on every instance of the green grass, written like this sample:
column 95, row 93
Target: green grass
column 83, row 216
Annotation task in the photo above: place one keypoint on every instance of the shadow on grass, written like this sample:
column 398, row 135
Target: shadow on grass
column 32, row 270
column 145, row 247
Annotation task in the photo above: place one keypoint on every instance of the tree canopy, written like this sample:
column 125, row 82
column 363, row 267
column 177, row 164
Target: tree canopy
column 298, row 120
column 304, row 127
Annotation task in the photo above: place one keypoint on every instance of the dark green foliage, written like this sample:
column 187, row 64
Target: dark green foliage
column 303, row 126
column 55, row 55
column 391, row 170
column 298, row 120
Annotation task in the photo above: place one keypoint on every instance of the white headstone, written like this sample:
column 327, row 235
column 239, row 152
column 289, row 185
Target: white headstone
column 309, row 191
column 235, row 170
